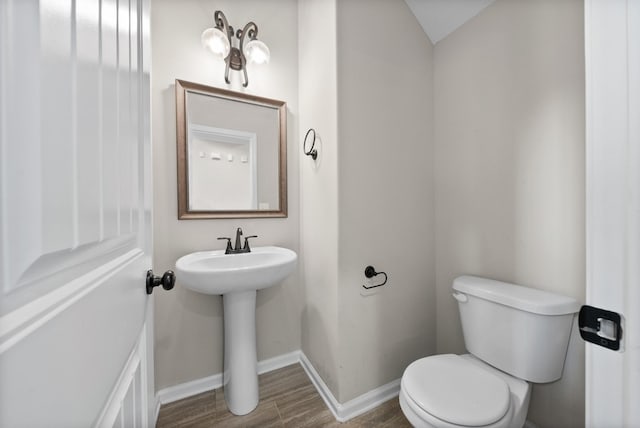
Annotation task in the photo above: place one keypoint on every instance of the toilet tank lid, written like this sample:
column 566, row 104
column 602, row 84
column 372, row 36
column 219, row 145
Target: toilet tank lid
column 516, row 296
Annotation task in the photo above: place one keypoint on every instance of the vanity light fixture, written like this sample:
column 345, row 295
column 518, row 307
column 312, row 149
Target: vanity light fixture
column 219, row 40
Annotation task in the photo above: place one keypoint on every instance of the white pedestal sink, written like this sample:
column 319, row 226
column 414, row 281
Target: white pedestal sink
column 237, row 277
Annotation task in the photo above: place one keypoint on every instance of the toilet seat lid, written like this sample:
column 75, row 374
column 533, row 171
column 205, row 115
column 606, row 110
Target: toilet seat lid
column 456, row 390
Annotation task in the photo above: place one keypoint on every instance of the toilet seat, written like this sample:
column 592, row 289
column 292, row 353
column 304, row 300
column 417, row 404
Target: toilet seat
column 456, row 391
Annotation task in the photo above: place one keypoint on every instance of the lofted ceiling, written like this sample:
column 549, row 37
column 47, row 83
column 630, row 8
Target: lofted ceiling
column 439, row 18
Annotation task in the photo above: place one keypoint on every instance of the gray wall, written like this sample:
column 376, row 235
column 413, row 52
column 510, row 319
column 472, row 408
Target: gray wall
column 509, row 120
column 386, row 192
column 188, row 334
column 368, row 199
column 319, row 187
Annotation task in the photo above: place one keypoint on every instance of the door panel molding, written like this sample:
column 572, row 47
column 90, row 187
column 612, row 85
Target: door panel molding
column 72, row 116
column 75, row 213
column 54, row 270
column 23, row 321
column 122, row 408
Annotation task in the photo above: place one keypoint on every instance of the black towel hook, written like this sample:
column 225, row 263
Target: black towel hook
column 370, row 272
column 312, row 151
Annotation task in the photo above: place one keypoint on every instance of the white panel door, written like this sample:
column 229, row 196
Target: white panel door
column 75, row 235
column 612, row 36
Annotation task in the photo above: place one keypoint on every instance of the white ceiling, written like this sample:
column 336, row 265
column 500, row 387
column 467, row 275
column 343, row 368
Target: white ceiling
column 439, row 18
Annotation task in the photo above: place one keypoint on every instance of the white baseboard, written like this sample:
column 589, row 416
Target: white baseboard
column 369, row 400
column 124, row 394
column 356, row 406
column 198, row 386
column 342, row 412
column 275, row 363
column 188, row 389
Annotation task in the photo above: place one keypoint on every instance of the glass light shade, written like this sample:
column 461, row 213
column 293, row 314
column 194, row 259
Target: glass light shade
column 216, row 41
column 257, row 52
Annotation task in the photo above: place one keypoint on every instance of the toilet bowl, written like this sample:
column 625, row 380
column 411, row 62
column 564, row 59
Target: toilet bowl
column 515, row 336
column 461, row 391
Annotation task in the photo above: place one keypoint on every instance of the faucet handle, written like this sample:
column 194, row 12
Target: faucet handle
column 246, row 243
column 228, row 249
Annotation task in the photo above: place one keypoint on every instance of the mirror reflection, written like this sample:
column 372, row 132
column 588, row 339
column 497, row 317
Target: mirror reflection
column 231, row 153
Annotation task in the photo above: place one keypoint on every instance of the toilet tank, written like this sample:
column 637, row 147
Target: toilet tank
column 519, row 330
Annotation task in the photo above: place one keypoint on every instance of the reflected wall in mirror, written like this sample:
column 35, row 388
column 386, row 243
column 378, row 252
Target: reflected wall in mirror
column 232, row 153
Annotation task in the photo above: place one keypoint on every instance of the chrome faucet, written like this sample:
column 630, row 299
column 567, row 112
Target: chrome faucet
column 238, row 249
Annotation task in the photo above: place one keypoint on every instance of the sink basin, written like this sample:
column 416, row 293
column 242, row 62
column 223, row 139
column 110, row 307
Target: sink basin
column 214, row 272
column 238, row 277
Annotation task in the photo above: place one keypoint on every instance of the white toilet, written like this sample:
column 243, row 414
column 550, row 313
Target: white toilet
column 515, row 335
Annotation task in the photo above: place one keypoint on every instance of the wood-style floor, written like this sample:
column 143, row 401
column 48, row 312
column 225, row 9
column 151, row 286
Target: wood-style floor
column 287, row 399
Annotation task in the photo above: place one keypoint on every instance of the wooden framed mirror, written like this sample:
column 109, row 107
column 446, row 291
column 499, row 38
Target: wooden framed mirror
column 232, row 153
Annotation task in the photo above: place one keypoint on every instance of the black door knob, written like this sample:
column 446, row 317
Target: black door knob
column 168, row 280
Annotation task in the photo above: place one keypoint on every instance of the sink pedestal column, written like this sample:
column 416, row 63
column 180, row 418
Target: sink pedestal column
column 240, row 360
